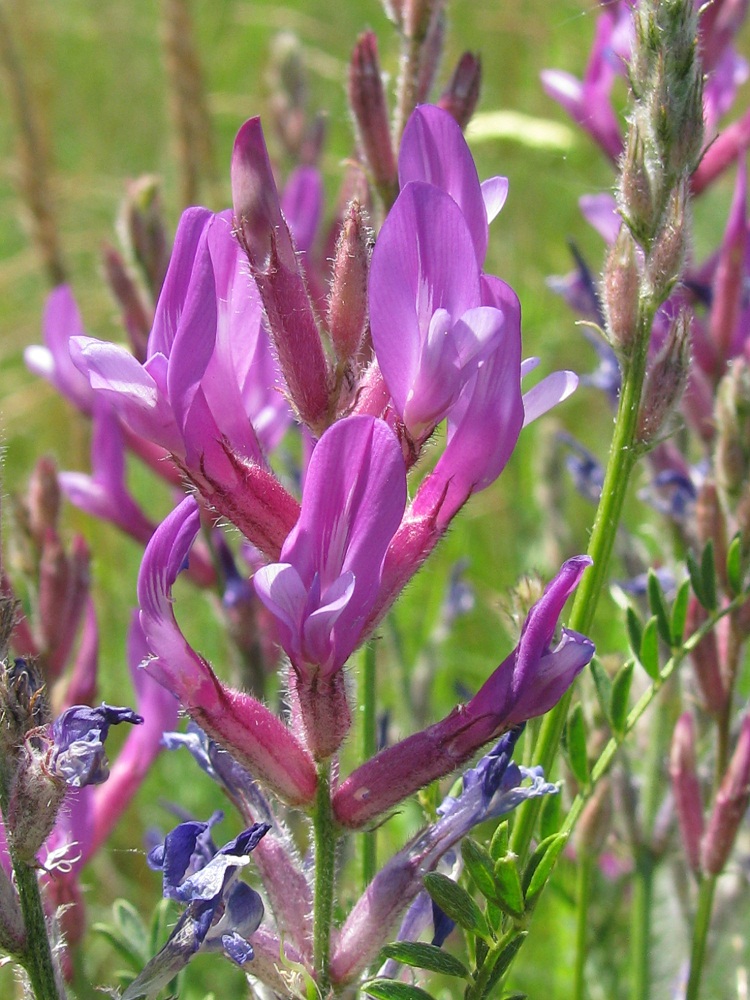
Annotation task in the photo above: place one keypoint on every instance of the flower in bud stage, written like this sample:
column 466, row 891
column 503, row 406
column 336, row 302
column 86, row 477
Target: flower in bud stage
column 686, row 788
column 729, row 808
column 620, row 291
column 221, row 914
column 665, row 380
column 461, row 95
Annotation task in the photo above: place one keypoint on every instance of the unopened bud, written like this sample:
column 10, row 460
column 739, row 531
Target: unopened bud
column 665, row 380
column 667, row 255
column 595, row 823
column 347, row 305
column 142, row 229
column 732, row 419
column 730, row 806
column 461, row 96
column 728, row 286
column 394, row 9
column 43, row 500
column 635, row 195
column 686, row 789
column 711, row 525
column 23, row 706
column 418, row 16
column 368, row 103
column 36, row 795
column 620, row 291
column 432, row 50
column 136, row 318
column 706, row 663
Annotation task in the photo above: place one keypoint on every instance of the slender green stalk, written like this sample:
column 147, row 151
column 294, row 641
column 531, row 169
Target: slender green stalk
column 583, row 894
column 700, row 935
column 640, row 922
column 369, row 749
column 324, row 832
column 37, row 961
column 623, row 455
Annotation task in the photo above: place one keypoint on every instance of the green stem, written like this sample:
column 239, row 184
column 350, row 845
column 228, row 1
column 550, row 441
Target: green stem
column 583, row 893
column 324, row 833
column 640, row 922
column 624, row 453
column 369, row 749
column 700, row 935
column 478, row 989
column 37, row 961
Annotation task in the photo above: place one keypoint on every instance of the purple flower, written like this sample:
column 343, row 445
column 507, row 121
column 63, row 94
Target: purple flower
column 79, row 735
column 62, row 321
column 221, row 913
column 491, row 789
column 527, row 684
column 324, row 588
column 255, row 736
column 588, row 101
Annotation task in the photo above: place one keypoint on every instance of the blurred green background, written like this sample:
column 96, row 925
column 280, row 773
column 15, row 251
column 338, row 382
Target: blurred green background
column 97, row 79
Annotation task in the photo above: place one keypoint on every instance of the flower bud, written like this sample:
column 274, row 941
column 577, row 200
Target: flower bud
column 667, row 255
column 635, row 196
column 686, row 789
column 43, row 500
column 665, row 380
column 710, row 524
column 620, row 291
column 347, row 304
column 732, row 419
column 23, row 707
column 36, row 795
column 134, row 314
column 461, row 95
column 706, row 663
column 143, row 232
column 730, row 806
column 368, row 103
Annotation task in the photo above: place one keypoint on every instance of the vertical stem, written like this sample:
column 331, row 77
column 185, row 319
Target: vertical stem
column 38, row 960
column 700, row 936
column 369, row 749
column 640, row 922
column 325, row 862
column 622, row 459
column 583, row 886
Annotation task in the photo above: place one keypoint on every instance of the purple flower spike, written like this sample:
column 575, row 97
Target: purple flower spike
column 528, row 683
column 255, row 736
column 327, row 582
column 431, row 327
column 495, row 787
column 62, row 320
column 222, row 912
column 79, row 735
column 433, row 149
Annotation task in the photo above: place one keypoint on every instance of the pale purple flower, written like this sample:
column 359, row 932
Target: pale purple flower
column 254, row 735
column 527, row 684
column 493, row 788
column 104, row 493
column 324, row 589
column 62, row 321
column 222, row 913
column 78, row 735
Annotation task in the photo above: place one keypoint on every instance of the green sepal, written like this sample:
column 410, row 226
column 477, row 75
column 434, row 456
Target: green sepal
column 540, row 865
column 500, row 840
column 389, row 989
column 479, row 865
column 509, row 891
column 575, row 744
column 456, row 903
column 658, row 606
column 603, row 686
column 618, row 711
column 734, row 565
column 679, row 613
column 634, row 629
column 648, row 654
column 425, row 956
